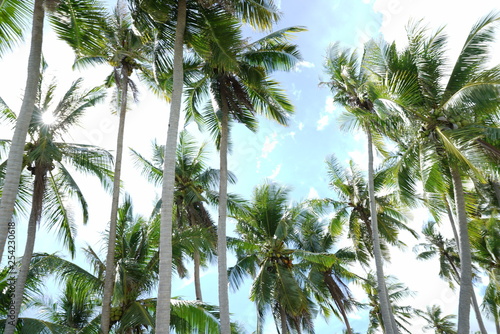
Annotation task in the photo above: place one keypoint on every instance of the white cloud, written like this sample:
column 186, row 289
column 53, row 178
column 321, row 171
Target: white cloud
column 301, row 126
column 303, row 64
column 322, row 122
column 324, row 119
column 313, row 193
column 358, row 157
column 275, row 173
column 269, row 144
column 330, row 105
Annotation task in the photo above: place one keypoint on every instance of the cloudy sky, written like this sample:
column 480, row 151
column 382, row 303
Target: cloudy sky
column 293, row 155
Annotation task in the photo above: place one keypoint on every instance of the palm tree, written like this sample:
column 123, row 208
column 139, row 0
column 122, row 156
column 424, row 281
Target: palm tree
column 136, row 265
column 53, row 182
column 124, row 49
column 440, row 324
column 260, row 15
column 240, row 88
column 351, row 207
column 327, row 271
column 432, row 107
column 15, row 159
column 195, row 185
column 396, row 292
column 449, row 261
column 484, row 240
column 263, row 253
column 349, row 81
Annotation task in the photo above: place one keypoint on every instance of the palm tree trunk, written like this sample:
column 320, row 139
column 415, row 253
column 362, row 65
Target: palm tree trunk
column 385, row 308
column 109, row 277
column 15, row 158
column 162, row 325
column 496, row 187
column 284, row 328
column 465, row 295
column 225, row 327
column 497, row 325
column 333, row 288
column 479, row 318
column 474, row 302
column 36, row 212
column 452, row 221
column 197, row 278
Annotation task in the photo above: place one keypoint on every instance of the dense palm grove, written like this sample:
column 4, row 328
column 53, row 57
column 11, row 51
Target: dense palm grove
column 433, row 119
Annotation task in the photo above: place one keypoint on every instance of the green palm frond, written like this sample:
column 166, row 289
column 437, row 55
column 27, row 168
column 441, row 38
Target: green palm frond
column 14, row 18
column 474, row 53
column 81, row 24
column 56, row 214
column 260, row 14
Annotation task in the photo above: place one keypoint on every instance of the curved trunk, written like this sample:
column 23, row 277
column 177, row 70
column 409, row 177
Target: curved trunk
column 197, row 278
column 162, row 325
column 465, row 295
column 225, row 327
column 385, row 308
column 36, row 212
column 15, row 158
column 109, row 277
column 335, row 292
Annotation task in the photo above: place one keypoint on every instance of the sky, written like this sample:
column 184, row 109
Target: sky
column 293, row 156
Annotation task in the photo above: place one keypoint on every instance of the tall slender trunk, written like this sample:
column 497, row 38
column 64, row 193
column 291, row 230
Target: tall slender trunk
column 197, row 278
column 496, row 188
column 109, row 277
column 162, row 325
column 36, row 212
column 385, row 308
column 452, row 221
column 474, row 302
column 465, row 295
column 334, row 291
column 479, row 317
column 284, row 328
column 497, row 325
column 15, row 158
column 225, row 327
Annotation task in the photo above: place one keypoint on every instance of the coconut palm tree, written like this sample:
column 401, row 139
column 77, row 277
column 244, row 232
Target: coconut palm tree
column 449, row 261
column 440, row 324
column 47, row 159
column 352, row 89
column 263, row 253
column 432, row 108
column 326, row 270
column 241, row 89
column 484, row 240
column 80, row 18
column 184, row 13
column 351, row 206
column 396, row 291
column 195, row 187
column 122, row 47
column 136, row 264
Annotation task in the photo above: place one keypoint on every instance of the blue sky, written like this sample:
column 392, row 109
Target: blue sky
column 292, row 156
